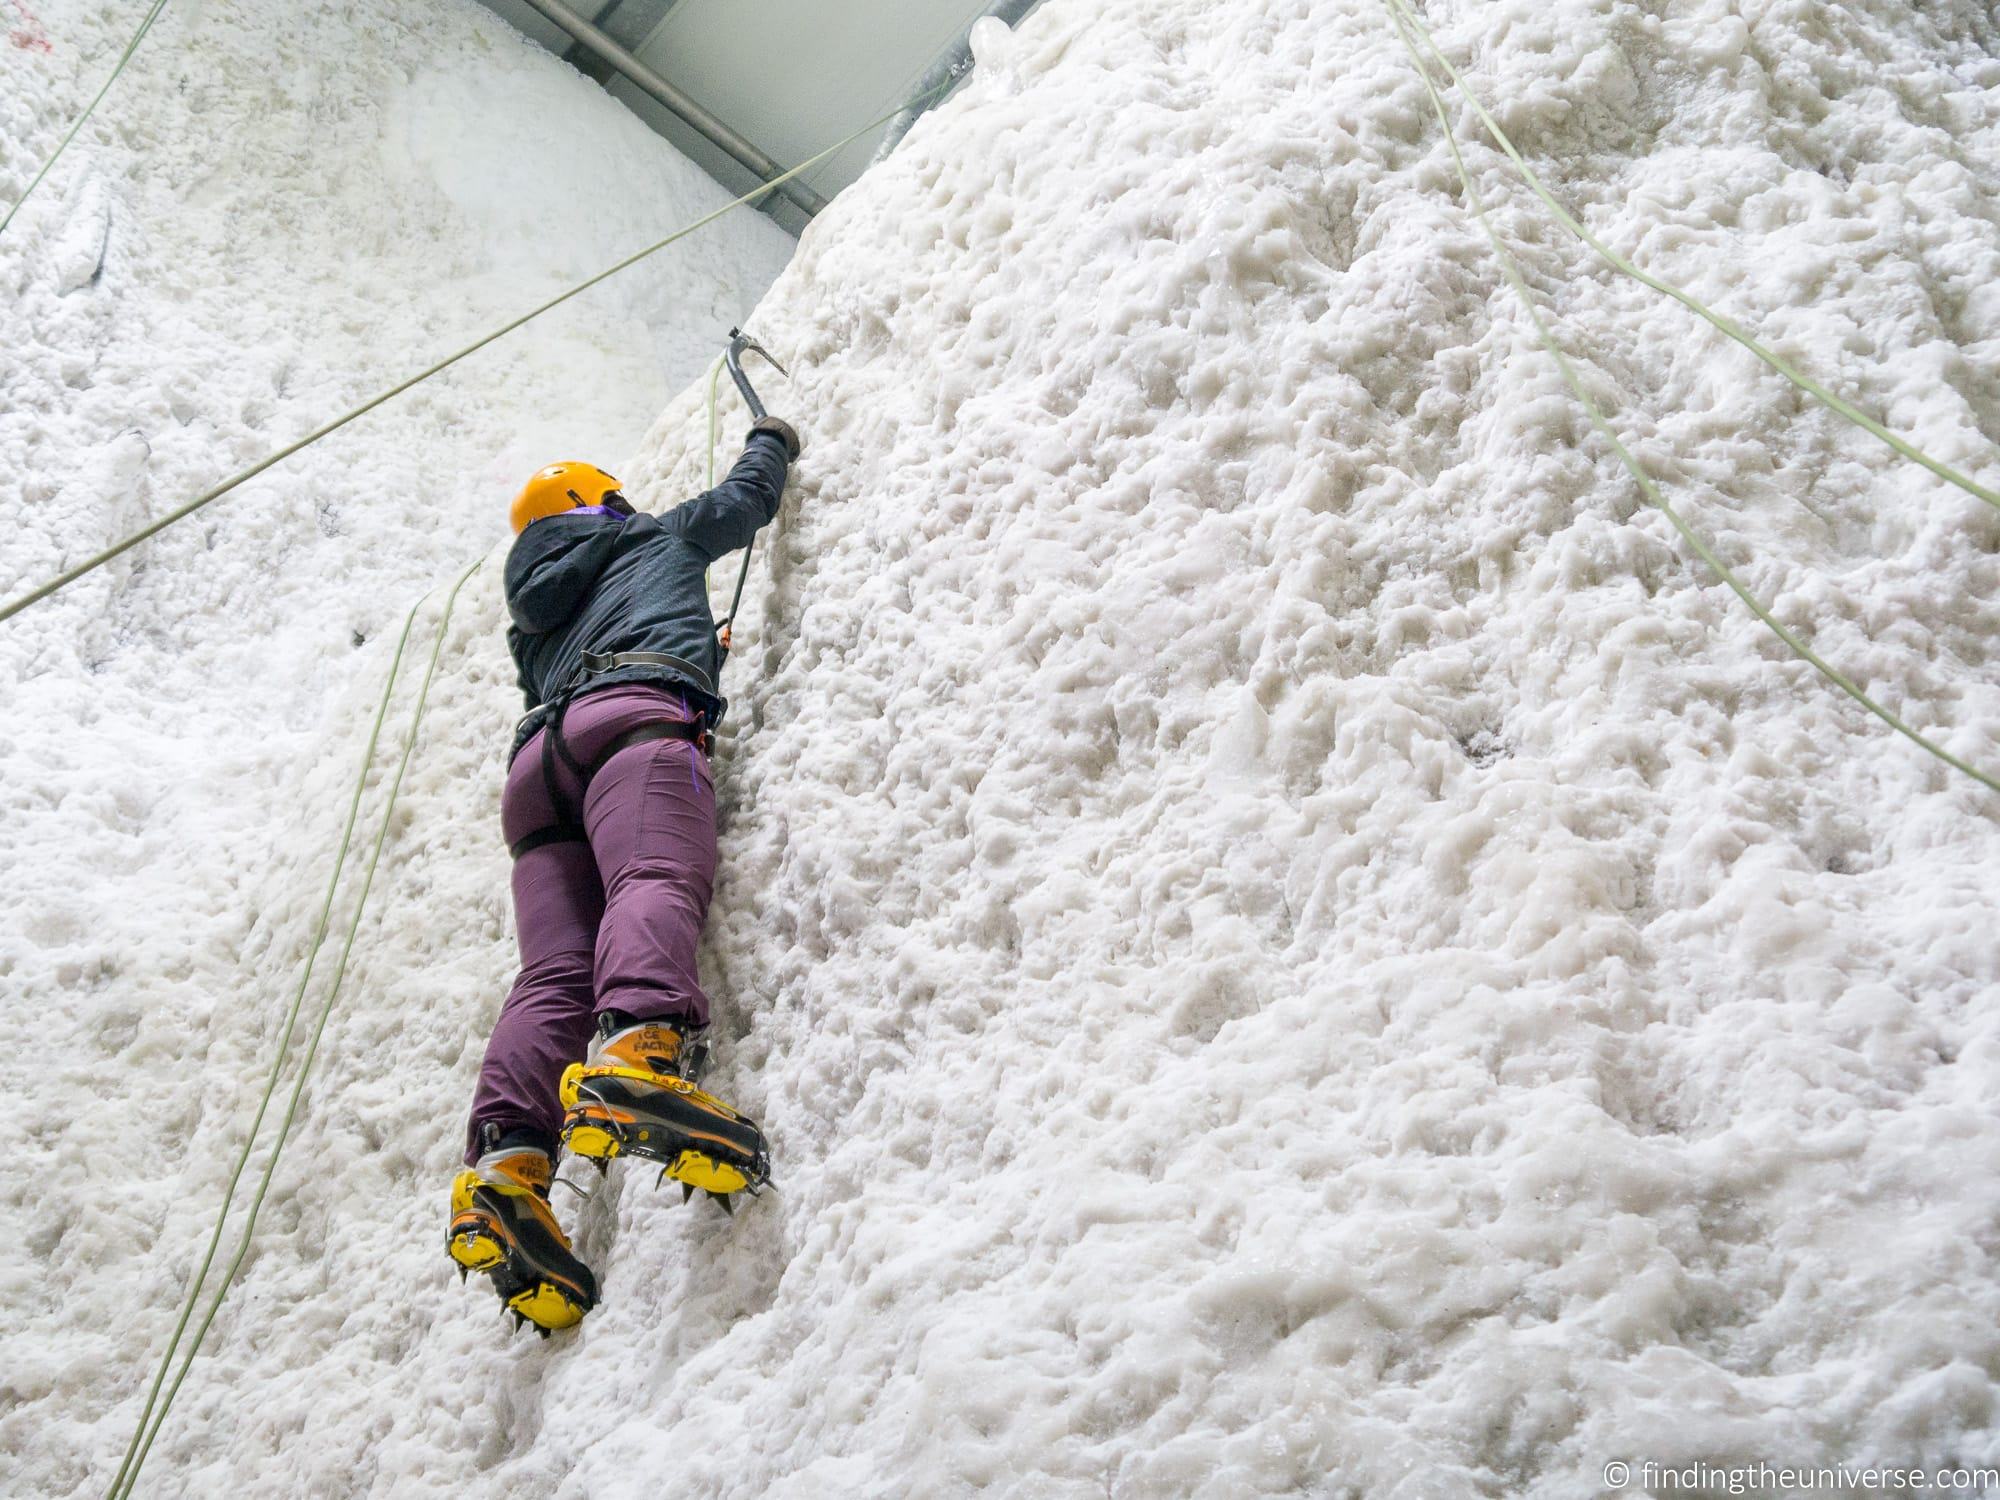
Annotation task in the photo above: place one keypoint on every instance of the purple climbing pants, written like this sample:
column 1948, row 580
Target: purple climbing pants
column 608, row 925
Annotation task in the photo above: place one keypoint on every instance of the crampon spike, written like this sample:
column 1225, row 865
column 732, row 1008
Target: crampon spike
column 687, row 1191
column 728, row 1203
column 463, row 1272
column 541, row 1330
column 519, row 1320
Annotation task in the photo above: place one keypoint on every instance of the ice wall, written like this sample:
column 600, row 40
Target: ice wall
column 1288, row 939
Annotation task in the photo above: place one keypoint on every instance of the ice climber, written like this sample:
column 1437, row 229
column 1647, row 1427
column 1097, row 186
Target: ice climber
column 609, row 811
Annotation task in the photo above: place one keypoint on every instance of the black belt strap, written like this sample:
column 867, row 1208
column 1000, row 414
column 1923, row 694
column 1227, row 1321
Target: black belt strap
column 691, row 730
column 555, row 833
column 568, row 827
column 610, row 661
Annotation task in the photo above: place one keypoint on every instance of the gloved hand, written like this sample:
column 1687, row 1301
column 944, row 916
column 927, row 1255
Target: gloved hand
column 793, row 447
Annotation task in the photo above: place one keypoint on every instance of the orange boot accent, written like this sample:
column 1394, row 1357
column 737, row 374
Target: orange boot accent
column 502, row 1226
column 630, row 1097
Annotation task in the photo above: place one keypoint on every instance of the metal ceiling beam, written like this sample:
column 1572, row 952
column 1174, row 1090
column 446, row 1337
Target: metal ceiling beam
column 602, row 15
column 742, row 151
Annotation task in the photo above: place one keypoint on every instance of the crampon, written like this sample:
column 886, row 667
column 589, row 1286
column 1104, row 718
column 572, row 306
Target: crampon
column 637, row 1095
column 501, row 1226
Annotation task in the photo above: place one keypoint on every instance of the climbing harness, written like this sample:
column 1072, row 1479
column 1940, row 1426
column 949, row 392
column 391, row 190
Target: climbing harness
column 1651, row 490
column 556, row 756
column 740, row 343
column 601, row 661
column 568, row 827
column 208, row 497
column 88, row 110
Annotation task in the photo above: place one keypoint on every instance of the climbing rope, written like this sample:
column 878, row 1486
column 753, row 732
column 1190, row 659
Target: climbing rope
column 320, row 928
column 89, row 109
column 1651, row 490
column 128, row 1474
column 209, row 496
column 1407, row 17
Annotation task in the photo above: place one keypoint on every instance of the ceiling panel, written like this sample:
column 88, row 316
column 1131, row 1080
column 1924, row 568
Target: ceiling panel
column 792, row 76
column 804, row 73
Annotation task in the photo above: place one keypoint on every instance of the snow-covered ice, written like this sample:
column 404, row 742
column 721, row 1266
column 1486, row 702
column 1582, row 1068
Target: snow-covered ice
column 1288, row 938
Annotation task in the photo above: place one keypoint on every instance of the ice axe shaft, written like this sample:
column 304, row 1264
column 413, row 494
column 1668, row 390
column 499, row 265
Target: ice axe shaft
column 740, row 343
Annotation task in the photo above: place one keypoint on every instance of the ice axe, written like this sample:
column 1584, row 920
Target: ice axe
column 740, row 343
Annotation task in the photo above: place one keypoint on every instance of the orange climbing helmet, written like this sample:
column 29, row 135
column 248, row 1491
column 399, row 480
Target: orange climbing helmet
column 558, row 488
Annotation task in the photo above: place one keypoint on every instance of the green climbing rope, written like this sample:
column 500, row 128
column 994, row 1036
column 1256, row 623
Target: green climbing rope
column 88, row 110
column 1645, row 481
column 1776, row 361
column 97, row 560
column 320, row 928
column 121, row 1488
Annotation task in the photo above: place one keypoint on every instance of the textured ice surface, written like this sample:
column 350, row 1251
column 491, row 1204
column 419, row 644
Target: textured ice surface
column 1288, row 939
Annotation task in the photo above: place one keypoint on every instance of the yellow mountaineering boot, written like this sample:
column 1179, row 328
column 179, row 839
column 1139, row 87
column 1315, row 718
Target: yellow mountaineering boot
column 635, row 1095
column 501, row 1224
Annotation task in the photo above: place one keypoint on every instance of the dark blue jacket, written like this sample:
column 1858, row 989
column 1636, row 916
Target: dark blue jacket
column 607, row 584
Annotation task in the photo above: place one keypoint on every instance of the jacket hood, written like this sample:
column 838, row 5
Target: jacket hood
column 554, row 565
